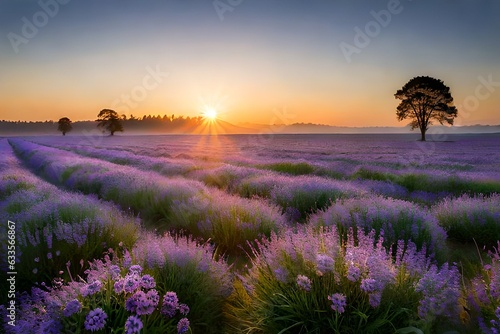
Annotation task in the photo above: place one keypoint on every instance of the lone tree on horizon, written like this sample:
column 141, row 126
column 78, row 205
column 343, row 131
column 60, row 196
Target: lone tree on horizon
column 64, row 125
column 424, row 99
column 110, row 121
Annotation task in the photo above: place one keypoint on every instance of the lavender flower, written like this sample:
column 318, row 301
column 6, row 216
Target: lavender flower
column 170, row 304
column 183, row 326
column 184, row 309
column 281, row 274
column 92, row 288
column 368, row 285
column 135, row 269
column 304, row 282
column 72, row 307
column 146, row 302
column 375, row 299
column 353, row 273
column 324, row 263
column 148, row 282
column 95, row 320
column 338, row 302
column 133, row 325
column 131, row 282
column 115, row 271
column 131, row 303
column 441, row 290
column 119, row 286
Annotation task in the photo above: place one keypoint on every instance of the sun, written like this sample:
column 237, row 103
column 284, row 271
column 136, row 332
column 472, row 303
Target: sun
column 210, row 113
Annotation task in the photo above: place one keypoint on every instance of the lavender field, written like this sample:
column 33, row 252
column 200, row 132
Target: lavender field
column 252, row 234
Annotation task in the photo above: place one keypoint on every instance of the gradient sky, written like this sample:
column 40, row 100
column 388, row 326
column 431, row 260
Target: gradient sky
column 263, row 62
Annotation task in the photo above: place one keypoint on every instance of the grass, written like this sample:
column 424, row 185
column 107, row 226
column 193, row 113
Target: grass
column 299, row 168
column 424, row 182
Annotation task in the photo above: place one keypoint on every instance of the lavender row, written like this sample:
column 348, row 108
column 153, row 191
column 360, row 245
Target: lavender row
column 55, row 230
column 167, row 203
column 391, row 219
column 296, row 196
column 162, row 165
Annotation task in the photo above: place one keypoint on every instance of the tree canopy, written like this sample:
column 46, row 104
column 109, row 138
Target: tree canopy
column 110, row 121
column 424, row 99
column 64, row 125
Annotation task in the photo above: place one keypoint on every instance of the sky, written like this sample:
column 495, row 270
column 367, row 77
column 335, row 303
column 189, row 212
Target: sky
column 336, row 62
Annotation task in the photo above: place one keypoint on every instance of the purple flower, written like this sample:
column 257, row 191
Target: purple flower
column 184, row 309
column 146, row 302
column 92, row 288
column 375, row 298
column 115, row 271
column 95, row 320
column 281, row 274
column 131, row 283
column 170, row 304
column 135, row 269
column 304, row 282
column 133, row 325
column 353, row 273
column 441, row 291
column 119, row 285
column 183, row 326
column 131, row 303
column 338, row 302
column 143, row 303
column 148, row 282
column 72, row 307
column 324, row 263
column 368, row 285
column 127, row 259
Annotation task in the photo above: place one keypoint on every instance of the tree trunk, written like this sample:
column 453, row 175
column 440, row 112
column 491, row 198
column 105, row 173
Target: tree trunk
column 422, row 131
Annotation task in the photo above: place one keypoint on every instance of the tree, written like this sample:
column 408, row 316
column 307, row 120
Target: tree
column 64, row 125
column 424, row 99
column 110, row 121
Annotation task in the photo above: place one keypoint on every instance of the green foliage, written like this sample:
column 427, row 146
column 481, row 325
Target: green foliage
column 299, row 168
column 365, row 173
column 12, row 183
column 471, row 219
column 198, row 290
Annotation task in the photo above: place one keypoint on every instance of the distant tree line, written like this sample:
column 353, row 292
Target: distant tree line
column 110, row 121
